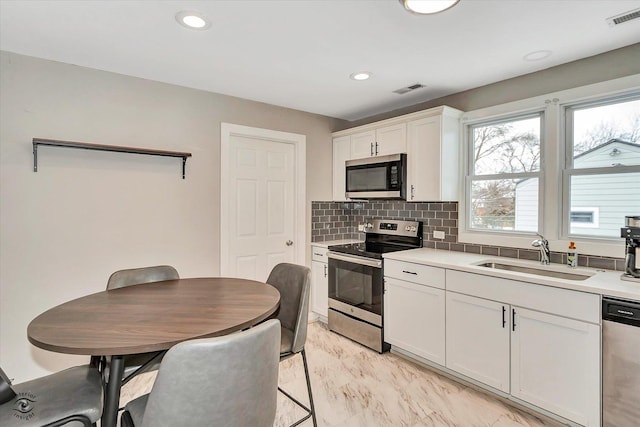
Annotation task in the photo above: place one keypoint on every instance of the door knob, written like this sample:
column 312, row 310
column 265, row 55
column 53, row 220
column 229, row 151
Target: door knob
column 289, row 242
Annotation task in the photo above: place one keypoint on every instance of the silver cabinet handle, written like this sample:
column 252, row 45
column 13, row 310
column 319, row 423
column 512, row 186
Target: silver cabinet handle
column 412, row 187
column 376, row 148
column 325, row 270
column 372, row 148
column 289, row 242
column 410, row 272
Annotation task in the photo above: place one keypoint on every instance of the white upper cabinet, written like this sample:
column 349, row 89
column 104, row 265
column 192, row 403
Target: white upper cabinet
column 391, row 140
column 379, row 142
column 430, row 139
column 341, row 153
column 432, row 157
column 362, row 144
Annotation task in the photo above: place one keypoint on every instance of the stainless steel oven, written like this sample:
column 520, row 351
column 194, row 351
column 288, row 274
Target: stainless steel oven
column 356, row 280
column 355, row 286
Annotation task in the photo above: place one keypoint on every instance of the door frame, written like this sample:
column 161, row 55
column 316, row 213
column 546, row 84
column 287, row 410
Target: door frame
column 227, row 131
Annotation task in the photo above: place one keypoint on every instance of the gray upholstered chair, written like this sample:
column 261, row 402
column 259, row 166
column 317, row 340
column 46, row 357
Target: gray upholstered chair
column 134, row 276
column 293, row 283
column 72, row 397
column 138, row 363
column 229, row 381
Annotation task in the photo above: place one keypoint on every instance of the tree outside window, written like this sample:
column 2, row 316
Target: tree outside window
column 506, row 155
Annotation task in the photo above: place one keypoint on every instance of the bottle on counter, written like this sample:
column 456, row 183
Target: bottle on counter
column 572, row 255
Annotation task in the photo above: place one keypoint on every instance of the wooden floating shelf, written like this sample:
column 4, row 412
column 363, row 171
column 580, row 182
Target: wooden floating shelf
column 101, row 147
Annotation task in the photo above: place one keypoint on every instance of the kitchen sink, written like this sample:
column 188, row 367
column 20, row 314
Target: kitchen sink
column 538, row 271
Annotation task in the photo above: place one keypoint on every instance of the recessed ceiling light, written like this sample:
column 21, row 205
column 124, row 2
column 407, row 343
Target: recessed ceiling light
column 537, row 55
column 360, row 75
column 428, row 7
column 193, row 20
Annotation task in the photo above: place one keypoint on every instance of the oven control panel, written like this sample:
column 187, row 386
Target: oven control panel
column 393, row 227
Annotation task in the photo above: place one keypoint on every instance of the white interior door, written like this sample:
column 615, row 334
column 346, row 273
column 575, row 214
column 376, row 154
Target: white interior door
column 260, row 210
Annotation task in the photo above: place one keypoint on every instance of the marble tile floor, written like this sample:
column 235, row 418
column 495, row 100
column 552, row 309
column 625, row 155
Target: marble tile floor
column 357, row 387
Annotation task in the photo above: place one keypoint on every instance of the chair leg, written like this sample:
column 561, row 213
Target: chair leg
column 306, row 374
column 311, row 412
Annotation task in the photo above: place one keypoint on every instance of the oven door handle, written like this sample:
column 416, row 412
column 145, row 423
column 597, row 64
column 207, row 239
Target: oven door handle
column 375, row 263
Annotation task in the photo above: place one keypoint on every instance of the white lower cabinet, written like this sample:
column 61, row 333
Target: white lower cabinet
column 540, row 344
column 319, row 281
column 414, row 317
column 478, row 339
column 555, row 364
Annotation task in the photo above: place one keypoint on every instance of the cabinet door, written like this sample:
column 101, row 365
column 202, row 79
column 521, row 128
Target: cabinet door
column 478, row 339
column 391, row 140
column 423, row 160
column 414, row 318
column 341, row 153
column 555, row 364
column 363, row 144
column 319, row 288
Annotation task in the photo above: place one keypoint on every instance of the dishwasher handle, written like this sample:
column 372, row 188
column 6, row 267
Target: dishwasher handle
column 621, row 311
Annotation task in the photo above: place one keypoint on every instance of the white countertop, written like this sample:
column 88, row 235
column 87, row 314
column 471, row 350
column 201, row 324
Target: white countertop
column 603, row 282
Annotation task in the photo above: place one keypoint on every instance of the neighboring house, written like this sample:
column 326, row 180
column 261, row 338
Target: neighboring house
column 596, row 209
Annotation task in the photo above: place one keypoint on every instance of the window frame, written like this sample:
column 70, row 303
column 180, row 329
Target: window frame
column 551, row 222
column 471, row 177
column 568, row 170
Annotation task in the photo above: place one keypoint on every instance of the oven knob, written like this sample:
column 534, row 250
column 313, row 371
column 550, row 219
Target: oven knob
column 368, row 226
column 413, row 228
column 407, row 228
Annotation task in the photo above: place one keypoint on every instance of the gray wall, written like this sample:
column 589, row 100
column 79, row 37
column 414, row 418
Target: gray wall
column 83, row 215
column 599, row 68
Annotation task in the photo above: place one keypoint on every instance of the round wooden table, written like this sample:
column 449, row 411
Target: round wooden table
column 150, row 317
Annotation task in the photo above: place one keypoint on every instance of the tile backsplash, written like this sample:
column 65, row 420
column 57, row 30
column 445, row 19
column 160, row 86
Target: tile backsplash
column 339, row 220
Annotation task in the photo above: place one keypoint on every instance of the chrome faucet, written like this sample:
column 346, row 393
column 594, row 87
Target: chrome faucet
column 543, row 245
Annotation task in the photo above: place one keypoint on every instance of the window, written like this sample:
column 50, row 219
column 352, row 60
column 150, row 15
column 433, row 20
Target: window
column 602, row 166
column 584, row 217
column 503, row 183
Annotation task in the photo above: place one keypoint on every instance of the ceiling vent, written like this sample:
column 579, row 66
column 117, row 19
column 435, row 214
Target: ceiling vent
column 622, row 18
column 407, row 89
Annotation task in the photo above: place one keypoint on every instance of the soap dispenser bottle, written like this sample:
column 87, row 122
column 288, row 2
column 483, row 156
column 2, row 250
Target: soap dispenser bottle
column 572, row 255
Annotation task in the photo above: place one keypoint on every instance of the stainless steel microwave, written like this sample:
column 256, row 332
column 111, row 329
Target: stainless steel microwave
column 383, row 177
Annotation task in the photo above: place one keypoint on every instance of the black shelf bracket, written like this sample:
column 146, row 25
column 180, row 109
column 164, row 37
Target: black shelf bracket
column 101, row 147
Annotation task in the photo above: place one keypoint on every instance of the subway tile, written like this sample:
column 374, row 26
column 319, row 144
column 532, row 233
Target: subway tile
column 449, row 223
column 435, row 222
column 557, row 258
column 489, row 250
column 429, row 244
column 606, row 263
column 435, row 206
column 509, row 252
column 451, row 207
column 442, row 245
column 529, row 254
column 458, row 247
column 442, row 215
column 474, row 249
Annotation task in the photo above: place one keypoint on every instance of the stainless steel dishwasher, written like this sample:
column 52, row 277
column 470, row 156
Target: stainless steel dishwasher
column 620, row 362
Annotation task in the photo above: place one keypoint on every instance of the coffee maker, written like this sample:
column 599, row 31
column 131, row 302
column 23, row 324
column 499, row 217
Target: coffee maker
column 632, row 235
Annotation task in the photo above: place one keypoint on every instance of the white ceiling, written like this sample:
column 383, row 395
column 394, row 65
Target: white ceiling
column 299, row 54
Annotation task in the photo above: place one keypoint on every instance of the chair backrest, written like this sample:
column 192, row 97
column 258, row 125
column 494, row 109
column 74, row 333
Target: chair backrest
column 6, row 391
column 134, row 276
column 226, row 381
column 293, row 282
